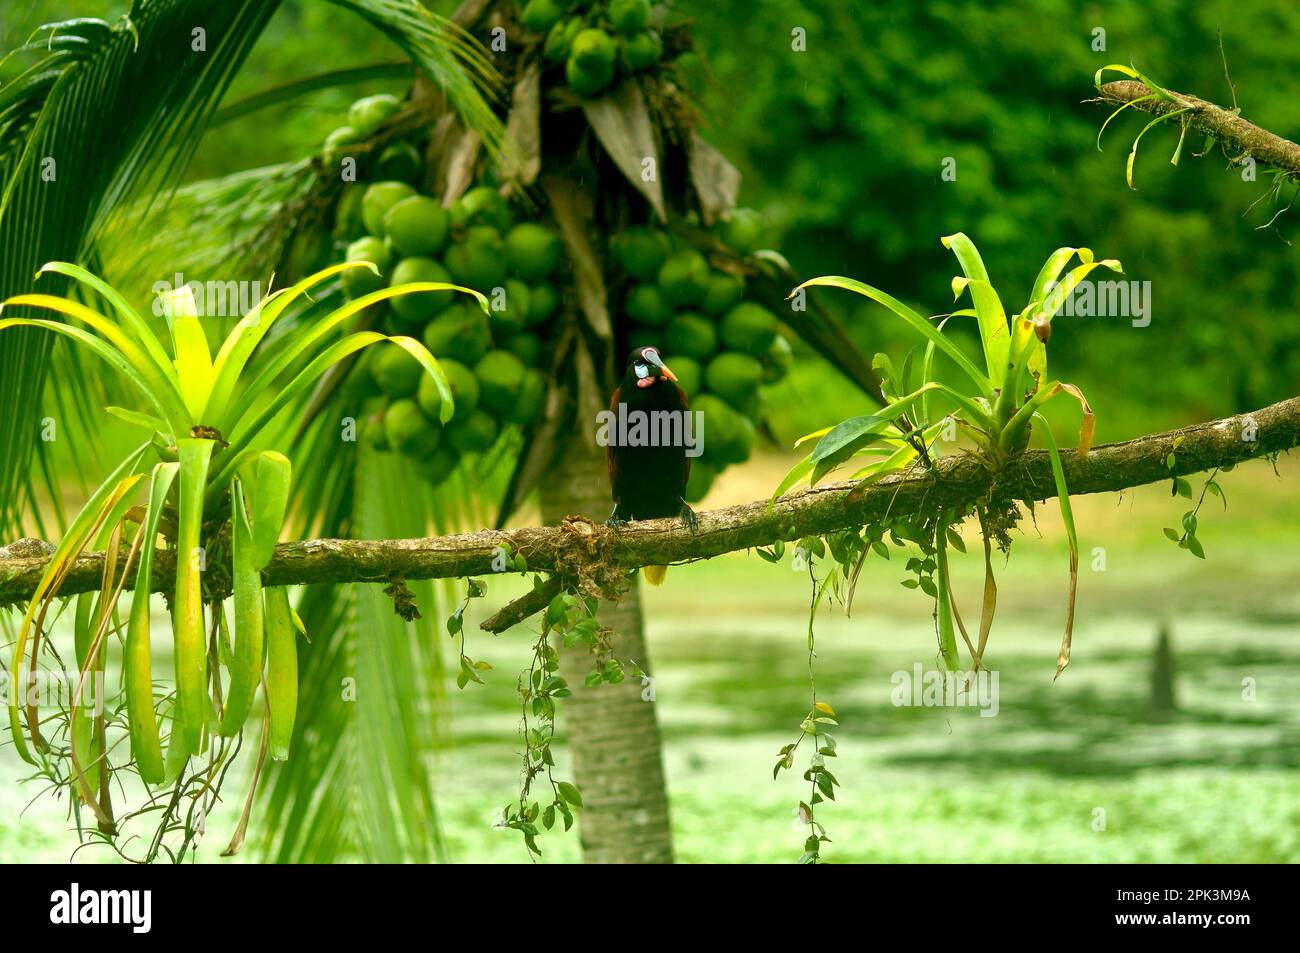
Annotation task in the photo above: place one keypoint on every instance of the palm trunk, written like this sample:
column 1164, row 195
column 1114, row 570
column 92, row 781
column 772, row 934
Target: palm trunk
column 612, row 732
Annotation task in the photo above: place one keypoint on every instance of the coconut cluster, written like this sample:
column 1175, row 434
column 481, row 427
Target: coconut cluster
column 595, row 42
column 722, row 347
column 491, row 361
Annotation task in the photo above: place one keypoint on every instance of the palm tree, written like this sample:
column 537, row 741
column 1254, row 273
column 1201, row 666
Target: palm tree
column 94, row 136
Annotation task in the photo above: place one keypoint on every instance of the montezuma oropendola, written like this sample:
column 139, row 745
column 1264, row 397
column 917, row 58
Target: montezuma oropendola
column 648, row 481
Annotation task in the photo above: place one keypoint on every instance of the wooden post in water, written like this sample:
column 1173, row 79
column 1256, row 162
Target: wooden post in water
column 1162, row 703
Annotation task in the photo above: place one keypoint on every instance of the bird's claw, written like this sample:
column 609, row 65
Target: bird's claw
column 688, row 517
column 615, row 523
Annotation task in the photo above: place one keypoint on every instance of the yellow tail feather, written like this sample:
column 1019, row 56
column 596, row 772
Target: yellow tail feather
column 655, row 574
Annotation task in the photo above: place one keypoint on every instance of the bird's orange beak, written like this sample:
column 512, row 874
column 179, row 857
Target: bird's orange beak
column 652, row 357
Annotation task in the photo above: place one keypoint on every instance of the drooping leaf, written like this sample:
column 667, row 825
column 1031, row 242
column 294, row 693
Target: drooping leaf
column 1067, row 517
column 268, row 476
column 137, row 663
column 250, row 623
column 188, row 631
column 281, row 670
column 621, row 121
column 86, row 522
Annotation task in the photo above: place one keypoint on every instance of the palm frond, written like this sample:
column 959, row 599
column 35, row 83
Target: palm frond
column 234, row 225
column 454, row 60
column 287, row 92
column 370, row 706
column 107, row 111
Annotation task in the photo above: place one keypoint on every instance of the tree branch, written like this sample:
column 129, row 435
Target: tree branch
column 1226, row 126
column 597, row 559
column 535, row 600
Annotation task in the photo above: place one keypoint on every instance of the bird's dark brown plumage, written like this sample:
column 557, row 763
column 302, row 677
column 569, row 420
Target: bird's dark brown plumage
column 647, row 482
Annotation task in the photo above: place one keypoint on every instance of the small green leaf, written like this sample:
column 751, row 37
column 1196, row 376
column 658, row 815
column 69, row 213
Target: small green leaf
column 472, row 675
column 555, row 612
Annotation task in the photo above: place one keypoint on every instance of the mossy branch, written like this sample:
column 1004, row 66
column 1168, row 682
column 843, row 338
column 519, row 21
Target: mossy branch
column 1236, row 134
column 595, row 558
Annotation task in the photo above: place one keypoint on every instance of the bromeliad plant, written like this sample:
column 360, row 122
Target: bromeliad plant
column 216, row 498
column 996, row 412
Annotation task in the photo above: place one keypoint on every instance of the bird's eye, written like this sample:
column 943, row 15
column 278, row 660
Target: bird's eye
column 642, row 371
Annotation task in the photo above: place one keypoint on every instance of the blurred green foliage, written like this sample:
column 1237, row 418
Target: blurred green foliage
column 843, row 144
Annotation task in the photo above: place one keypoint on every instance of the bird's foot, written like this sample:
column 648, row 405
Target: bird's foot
column 688, row 517
column 615, row 523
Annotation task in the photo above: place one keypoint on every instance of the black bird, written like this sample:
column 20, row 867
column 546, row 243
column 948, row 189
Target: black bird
column 647, row 476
